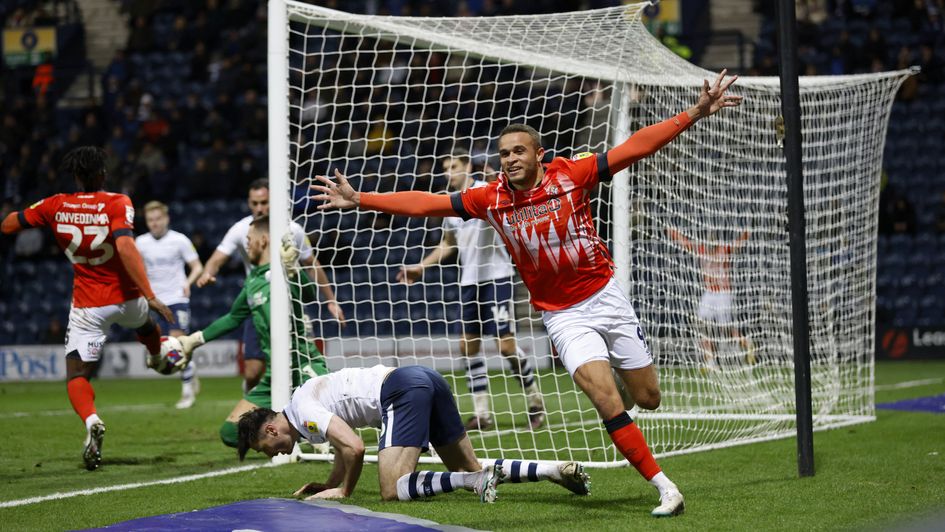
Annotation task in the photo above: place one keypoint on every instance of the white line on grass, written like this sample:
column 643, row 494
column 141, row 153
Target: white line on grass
column 122, row 487
column 907, row 384
column 107, row 409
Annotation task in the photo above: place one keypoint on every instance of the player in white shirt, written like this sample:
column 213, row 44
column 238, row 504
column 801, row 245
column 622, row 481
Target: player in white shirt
column 414, row 407
column 234, row 241
column 487, row 287
column 166, row 253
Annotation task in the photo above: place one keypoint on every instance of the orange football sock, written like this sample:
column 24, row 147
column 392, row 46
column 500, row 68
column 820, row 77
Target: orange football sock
column 630, row 442
column 82, row 396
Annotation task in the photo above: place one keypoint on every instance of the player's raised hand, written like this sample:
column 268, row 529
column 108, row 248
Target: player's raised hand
column 290, row 256
column 410, row 274
column 158, row 306
column 338, row 193
column 713, row 97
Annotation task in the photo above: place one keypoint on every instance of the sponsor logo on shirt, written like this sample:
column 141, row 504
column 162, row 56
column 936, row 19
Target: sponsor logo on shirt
column 531, row 214
column 552, row 189
column 311, row 427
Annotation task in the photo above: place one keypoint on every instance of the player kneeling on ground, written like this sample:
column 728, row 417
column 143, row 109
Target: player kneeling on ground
column 414, row 407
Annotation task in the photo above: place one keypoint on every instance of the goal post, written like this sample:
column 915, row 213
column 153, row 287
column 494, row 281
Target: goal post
column 698, row 230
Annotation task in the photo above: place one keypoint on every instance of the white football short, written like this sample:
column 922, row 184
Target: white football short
column 88, row 326
column 716, row 307
column 602, row 327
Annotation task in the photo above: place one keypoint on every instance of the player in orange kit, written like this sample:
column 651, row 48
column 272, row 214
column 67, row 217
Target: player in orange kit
column 715, row 306
column 543, row 215
column 94, row 230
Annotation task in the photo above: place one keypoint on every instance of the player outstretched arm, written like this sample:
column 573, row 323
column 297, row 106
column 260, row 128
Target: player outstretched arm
column 681, row 238
column 134, row 265
column 211, row 268
column 650, row 139
column 339, row 194
column 742, row 239
column 315, row 271
column 13, row 223
column 410, row 274
column 196, row 270
column 349, row 460
column 230, row 321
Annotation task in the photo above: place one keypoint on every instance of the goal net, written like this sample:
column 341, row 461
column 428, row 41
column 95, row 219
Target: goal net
column 698, row 231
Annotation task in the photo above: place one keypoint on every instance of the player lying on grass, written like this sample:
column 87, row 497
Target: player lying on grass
column 94, row 228
column 414, row 407
column 253, row 302
column 543, row 214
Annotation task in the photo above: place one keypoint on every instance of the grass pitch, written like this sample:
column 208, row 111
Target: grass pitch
column 877, row 475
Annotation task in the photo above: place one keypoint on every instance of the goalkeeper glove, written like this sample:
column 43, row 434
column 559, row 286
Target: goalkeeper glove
column 290, row 256
column 189, row 343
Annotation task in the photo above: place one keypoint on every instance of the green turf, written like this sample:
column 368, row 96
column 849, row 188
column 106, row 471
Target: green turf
column 875, row 475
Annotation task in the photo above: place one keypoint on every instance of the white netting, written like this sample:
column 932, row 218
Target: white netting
column 384, row 98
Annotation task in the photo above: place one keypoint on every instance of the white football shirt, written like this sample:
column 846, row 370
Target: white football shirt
column 352, row 394
column 166, row 261
column 482, row 252
column 235, row 239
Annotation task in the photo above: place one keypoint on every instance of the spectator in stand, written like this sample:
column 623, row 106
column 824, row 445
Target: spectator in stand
column 903, row 216
column 141, row 37
column 932, row 68
column 940, row 216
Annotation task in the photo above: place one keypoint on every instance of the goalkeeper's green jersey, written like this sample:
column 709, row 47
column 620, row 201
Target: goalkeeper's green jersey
column 253, row 300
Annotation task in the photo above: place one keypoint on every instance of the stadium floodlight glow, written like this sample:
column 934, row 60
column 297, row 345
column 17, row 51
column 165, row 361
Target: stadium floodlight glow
column 384, row 98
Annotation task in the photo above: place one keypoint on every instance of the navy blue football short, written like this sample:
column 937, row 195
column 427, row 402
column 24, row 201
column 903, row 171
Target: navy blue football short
column 417, row 409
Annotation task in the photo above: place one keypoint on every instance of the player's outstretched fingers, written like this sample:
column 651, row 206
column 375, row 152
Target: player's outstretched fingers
column 720, row 77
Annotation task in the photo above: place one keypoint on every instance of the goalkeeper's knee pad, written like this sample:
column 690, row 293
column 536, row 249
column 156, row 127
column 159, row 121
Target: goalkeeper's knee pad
column 229, row 433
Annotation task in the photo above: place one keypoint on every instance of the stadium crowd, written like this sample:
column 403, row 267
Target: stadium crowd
column 183, row 110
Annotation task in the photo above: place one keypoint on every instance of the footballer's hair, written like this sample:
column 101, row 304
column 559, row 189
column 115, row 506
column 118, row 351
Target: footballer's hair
column 459, row 154
column 250, row 424
column 155, row 206
column 87, row 165
column 523, row 128
column 261, row 224
column 257, row 184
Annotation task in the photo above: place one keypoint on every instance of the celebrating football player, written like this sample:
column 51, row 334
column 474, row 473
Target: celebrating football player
column 542, row 212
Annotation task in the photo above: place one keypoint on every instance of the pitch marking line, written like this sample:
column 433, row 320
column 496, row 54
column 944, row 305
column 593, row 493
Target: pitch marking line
column 907, row 384
column 123, row 487
column 106, row 409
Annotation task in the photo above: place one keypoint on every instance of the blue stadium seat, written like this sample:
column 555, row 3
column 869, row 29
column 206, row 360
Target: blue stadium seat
column 7, row 332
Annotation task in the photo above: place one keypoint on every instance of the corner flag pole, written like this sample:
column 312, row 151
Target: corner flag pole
column 791, row 111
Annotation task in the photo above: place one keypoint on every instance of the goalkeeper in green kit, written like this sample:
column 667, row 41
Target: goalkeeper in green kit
column 253, row 301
